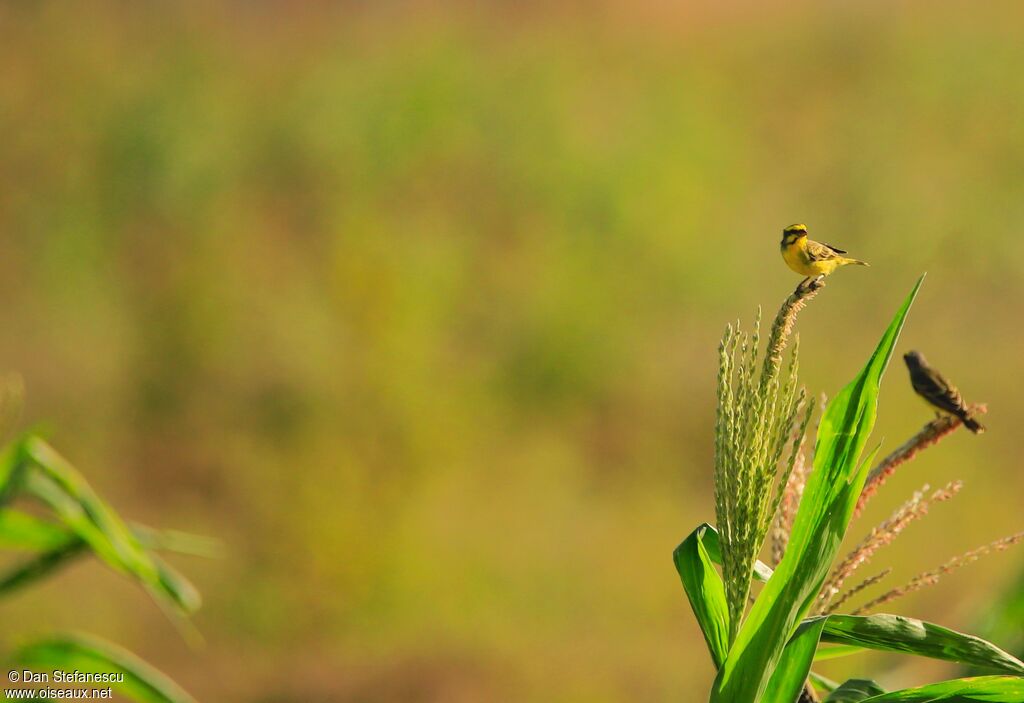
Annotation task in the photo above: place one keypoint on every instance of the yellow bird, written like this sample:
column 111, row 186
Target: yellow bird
column 936, row 390
column 810, row 258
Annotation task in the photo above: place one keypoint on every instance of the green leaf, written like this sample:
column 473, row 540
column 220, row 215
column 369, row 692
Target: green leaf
column 12, row 470
column 891, row 633
column 994, row 689
column 41, row 565
column 790, row 675
column 827, row 653
column 854, row 690
column 705, row 590
column 88, row 654
column 56, row 546
column 822, row 682
column 20, row 530
column 895, row 633
column 818, row 530
column 69, row 495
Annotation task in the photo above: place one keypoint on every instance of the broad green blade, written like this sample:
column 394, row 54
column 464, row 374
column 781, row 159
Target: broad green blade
column 895, row 633
column 20, row 530
column 87, row 654
column 854, row 690
column 994, row 689
column 794, row 665
column 705, row 590
column 818, row 530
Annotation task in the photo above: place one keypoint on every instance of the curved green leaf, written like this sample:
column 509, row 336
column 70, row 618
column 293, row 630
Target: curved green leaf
column 705, row 590
column 41, row 565
column 895, row 633
column 822, row 682
column 20, row 530
column 58, row 484
column 794, row 665
column 88, row 654
column 12, row 470
column 818, row 530
column 994, row 689
column 826, row 653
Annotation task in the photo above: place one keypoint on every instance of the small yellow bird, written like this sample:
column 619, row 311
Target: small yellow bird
column 938, row 392
column 810, row 258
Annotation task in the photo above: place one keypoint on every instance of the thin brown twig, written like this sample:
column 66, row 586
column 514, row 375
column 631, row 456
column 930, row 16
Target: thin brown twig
column 880, row 536
column 929, row 435
column 930, row 578
column 866, row 583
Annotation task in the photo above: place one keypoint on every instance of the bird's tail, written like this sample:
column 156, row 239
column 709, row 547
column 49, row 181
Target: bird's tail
column 858, row 262
column 972, row 424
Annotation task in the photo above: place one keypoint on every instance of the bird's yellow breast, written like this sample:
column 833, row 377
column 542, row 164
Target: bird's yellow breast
column 795, row 255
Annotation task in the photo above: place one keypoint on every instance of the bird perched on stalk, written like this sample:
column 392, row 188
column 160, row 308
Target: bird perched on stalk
column 809, row 258
column 938, row 392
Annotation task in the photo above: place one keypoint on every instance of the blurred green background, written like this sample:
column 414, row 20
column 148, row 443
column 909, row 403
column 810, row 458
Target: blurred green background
column 416, row 307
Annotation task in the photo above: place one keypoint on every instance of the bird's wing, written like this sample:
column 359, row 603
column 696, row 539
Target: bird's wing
column 821, row 252
column 836, row 249
column 931, row 386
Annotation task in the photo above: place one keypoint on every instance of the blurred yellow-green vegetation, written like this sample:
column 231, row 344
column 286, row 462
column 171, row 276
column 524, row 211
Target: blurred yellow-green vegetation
column 415, row 306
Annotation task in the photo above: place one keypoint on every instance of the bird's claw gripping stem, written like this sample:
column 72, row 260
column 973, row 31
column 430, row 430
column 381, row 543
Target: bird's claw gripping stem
column 813, row 284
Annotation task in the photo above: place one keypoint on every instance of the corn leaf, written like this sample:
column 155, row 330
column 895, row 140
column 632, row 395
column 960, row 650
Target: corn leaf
column 822, row 682
column 705, row 590
column 20, row 530
column 826, row 653
column 12, row 469
column 88, row 654
column 794, row 665
column 993, row 689
column 68, row 494
column 895, row 633
column 824, row 513
column 56, row 546
column 854, row 690
column 41, row 565
column 891, row 633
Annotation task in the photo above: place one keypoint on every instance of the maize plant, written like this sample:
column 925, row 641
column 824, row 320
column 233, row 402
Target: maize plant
column 770, row 497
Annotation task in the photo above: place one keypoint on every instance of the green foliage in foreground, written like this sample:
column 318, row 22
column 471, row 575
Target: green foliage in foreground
column 771, row 657
column 81, row 524
column 141, row 682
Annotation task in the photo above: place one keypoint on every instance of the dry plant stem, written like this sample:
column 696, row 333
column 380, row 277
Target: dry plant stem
column 929, row 435
column 878, row 537
column 866, row 583
column 930, row 578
